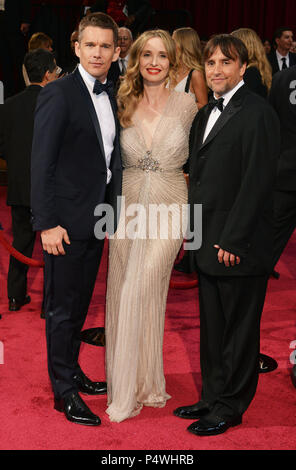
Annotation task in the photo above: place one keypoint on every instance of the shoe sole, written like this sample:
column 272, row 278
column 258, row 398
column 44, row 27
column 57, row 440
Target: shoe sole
column 216, row 433
column 93, row 394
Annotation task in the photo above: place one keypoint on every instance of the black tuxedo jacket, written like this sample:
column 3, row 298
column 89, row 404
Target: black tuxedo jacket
column 114, row 74
column 69, row 170
column 16, row 13
column 274, row 62
column 232, row 175
column 16, row 134
column 283, row 99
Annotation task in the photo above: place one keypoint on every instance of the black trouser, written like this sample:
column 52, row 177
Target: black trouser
column 69, row 283
column 23, row 241
column 285, row 220
column 230, row 313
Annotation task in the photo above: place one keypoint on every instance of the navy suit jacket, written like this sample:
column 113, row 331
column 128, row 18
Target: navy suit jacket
column 68, row 167
column 274, row 62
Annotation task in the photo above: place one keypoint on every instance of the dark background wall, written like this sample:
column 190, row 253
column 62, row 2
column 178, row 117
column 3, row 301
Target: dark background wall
column 59, row 17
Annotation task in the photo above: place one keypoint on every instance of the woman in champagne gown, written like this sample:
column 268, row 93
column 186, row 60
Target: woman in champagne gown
column 154, row 140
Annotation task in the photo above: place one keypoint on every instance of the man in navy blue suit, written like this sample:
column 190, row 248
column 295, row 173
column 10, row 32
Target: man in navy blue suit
column 76, row 166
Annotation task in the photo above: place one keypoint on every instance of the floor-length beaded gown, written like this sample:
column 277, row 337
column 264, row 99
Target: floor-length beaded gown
column 140, row 266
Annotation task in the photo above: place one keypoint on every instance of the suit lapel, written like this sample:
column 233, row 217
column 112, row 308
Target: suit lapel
column 233, row 107
column 90, row 108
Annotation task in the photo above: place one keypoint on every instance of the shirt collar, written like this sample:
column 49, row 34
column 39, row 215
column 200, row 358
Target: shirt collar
column 87, row 77
column 280, row 56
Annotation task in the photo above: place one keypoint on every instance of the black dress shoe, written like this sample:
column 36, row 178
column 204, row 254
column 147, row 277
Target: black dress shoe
column 86, row 386
column 76, row 410
column 15, row 305
column 275, row 275
column 210, row 427
column 266, row 363
column 195, row 411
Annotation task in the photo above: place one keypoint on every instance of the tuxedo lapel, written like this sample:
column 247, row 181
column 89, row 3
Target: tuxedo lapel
column 199, row 127
column 233, row 107
column 82, row 87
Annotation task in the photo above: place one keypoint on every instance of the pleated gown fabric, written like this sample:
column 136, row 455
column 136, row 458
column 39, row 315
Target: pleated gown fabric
column 140, row 265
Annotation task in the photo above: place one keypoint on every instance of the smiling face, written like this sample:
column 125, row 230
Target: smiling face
column 223, row 73
column 96, row 51
column 154, row 61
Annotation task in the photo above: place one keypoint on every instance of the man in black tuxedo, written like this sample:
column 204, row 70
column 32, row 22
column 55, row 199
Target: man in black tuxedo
column 234, row 145
column 16, row 134
column 15, row 19
column 76, row 167
column 281, row 58
column 283, row 99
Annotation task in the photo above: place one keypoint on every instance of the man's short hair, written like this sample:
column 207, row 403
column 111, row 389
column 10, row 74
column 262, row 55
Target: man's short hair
column 100, row 20
column 230, row 46
column 279, row 32
column 37, row 63
column 39, row 40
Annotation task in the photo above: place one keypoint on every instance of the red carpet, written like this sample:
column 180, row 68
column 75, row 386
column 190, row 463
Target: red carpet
column 28, row 420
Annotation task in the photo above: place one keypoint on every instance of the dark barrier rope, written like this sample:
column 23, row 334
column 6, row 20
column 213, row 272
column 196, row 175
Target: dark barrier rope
column 183, row 284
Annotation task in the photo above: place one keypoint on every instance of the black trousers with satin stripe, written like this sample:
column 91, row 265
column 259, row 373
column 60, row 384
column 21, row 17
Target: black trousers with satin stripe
column 230, row 313
column 285, row 220
column 69, row 283
column 23, row 241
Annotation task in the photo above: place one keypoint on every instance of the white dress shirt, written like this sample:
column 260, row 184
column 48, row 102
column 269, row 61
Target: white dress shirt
column 280, row 57
column 105, row 117
column 216, row 113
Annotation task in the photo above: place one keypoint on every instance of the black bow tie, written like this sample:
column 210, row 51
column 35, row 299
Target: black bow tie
column 219, row 103
column 100, row 87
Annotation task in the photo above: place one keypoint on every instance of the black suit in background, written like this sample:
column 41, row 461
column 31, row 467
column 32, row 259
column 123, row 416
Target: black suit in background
column 274, row 62
column 12, row 44
column 283, row 99
column 114, row 74
column 232, row 175
column 69, row 179
column 253, row 81
column 16, row 134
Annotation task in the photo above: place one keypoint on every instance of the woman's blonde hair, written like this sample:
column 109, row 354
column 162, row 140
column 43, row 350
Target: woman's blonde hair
column 256, row 52
column 39, row 41
column 131, row 88
column 189, row 48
